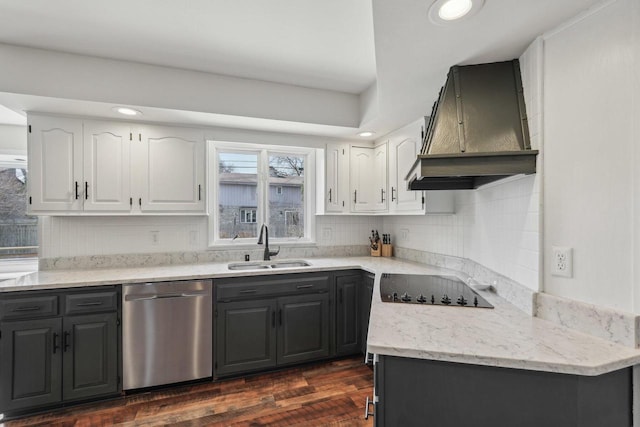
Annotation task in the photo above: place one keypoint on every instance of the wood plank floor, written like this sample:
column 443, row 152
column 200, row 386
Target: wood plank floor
column 323, row 394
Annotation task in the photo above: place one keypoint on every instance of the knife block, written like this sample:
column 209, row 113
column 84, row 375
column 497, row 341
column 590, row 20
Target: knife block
column 387, row 250
column 376, row 252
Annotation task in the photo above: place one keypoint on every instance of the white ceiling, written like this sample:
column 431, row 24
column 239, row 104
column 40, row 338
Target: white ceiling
column 332, row 45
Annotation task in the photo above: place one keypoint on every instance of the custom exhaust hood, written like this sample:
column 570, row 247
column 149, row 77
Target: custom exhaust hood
column 477, row 132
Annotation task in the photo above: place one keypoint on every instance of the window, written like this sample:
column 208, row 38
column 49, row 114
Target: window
column 255, row 185
column 247, row 216
column 18, row 231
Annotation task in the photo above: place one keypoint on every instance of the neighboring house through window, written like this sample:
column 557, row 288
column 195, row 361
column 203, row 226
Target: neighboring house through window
column 254, row 185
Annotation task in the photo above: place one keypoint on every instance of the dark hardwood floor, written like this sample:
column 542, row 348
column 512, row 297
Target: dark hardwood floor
column 323, row 394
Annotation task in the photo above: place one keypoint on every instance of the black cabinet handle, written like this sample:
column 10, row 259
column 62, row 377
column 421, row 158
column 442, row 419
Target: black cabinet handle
column 86, row 190
column 65, row 341
column 355, row 196
column 130, row 201
column 89, row 303
column 330, row 195
column 382, row 195
column 29, row 308
column 393, row 190
column 304, row 286
column 77, row 185
column 140, row 201
column 56, row 345
column 199, row 192
column 273, row 319
column 248, row 291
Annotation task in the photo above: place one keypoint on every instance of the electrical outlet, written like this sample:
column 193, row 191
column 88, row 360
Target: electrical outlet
column 404, row 235
column 562, row 262
column 155, row 237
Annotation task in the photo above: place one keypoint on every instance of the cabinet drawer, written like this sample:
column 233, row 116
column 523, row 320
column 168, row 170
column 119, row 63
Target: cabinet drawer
column 91, row 302
column 262, row 286
column 28, row 307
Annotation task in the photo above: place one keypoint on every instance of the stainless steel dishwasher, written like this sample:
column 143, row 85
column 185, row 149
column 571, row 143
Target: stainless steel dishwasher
column 166, row 332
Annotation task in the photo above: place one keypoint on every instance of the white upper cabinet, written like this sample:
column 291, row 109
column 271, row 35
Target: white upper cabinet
column 377, row 181
column 337, row 178
column 107, row 183
column 360, row 170
column 368, row 178
column 402, row 154
column 103, row 167
column 379, row 177
column 170, row 169
column 55, row 164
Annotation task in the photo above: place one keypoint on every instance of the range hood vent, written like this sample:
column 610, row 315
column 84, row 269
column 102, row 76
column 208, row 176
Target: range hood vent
column 477, row 132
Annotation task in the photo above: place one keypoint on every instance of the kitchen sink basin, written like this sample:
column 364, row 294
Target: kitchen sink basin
column 248, row 266
column 267, row 265
column 289, row 264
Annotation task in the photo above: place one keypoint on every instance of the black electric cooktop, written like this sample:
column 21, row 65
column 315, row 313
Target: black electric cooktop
column 429, row 290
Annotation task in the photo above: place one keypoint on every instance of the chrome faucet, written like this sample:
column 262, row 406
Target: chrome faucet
column 267, row 253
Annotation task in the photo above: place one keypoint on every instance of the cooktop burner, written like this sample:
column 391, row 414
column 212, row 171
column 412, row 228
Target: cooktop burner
column 429, row 290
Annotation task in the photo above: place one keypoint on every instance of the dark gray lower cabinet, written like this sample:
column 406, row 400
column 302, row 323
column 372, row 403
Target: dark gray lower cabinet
column 264, row 322
column 90, row 362
column 348, row 317
column 414, row 392
column 47, row 358
column 365, row 308
column 30, row 361
column 246, row 336
column 303, row 328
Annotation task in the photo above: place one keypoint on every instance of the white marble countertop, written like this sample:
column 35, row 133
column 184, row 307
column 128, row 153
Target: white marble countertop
column 502, row 337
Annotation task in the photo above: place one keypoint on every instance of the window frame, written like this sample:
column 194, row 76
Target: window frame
column 262, row 209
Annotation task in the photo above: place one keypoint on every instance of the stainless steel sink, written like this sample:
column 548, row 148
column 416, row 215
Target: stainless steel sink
column 290, row 264
column 248, row 266
column 268, row 264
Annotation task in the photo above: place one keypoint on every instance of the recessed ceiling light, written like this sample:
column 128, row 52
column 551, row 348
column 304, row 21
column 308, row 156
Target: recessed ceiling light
column 444, row 12
column 127, row 111
column 366, row 133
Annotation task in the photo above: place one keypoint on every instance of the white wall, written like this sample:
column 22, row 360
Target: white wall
column 13, row 139
column 591, row 175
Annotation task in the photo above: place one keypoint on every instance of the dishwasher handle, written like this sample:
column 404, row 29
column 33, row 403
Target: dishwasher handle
column 148, row 297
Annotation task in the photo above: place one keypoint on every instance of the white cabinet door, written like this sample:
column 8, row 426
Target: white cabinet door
column 107, row 183
column 337, row 178
column 55, row 164
column 402, row 155
column 171, row 170
column 361, row 177
column 379, row 178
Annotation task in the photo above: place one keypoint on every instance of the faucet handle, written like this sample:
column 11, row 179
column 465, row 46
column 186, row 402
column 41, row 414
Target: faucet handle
column 272, row 253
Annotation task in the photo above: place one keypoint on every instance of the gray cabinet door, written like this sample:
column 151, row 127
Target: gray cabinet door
column 90, row 364
column 30, row 363
column 365, row 308
column 347, row 315
column 303, row 328
column 245, row 336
